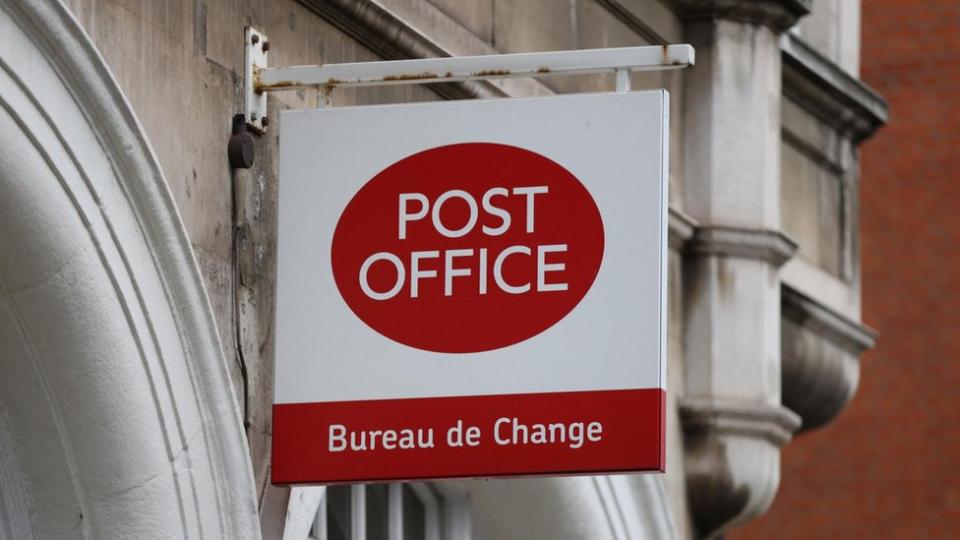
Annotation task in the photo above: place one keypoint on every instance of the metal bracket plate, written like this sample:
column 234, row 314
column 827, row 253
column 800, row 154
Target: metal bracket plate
column 255, row 51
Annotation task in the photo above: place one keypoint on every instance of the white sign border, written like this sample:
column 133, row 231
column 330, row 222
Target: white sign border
column 327, row 383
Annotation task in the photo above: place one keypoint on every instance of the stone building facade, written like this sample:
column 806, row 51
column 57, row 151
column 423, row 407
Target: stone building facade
column 908, row 483
column 137, row 268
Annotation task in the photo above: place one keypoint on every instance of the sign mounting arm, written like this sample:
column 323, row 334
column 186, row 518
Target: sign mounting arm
column 260, row 79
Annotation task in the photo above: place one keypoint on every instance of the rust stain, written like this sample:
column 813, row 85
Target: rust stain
column 448, row 74
column 330, row 85
column 256, row 80
column 259, row 87
column 543, row 70
column 491, row 73
column 412, row 76
column 666, row 54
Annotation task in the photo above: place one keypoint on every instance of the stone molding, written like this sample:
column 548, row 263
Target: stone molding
column 845, row 333
column 777, row 14
column 117, row 401
column 732, row 459
column 734, row 417
column 820, row 354
column 825, row 89
column 772, row 246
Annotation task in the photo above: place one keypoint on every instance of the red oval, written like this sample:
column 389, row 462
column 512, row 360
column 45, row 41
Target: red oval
column 467, row 319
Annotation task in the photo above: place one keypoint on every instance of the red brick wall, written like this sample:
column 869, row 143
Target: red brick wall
column 889, row 466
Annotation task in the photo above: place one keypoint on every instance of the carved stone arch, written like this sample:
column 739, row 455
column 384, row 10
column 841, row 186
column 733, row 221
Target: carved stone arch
column 117, row 417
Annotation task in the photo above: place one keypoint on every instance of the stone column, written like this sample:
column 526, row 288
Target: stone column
column 734, row 424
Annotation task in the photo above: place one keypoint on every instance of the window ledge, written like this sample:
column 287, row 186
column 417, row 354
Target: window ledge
column 820, row 355
column 827, row 90
column 772, row 246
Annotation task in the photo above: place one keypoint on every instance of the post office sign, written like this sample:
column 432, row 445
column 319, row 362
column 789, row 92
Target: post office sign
column 472, row 289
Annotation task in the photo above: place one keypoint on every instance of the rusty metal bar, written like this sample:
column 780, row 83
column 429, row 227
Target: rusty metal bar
column 260, row 79
column 464, row 68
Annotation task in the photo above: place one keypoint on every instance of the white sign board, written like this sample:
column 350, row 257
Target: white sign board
column 472, row 288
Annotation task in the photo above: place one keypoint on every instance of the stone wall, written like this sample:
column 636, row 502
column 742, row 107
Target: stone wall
column 887, row 468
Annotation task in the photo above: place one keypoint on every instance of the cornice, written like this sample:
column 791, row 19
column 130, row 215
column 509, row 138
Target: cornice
column 776, row 14
column 850, row 335
column 824, row 88
column 729, row 417
column 820, row 357
column 772, row 246
column 732, row 453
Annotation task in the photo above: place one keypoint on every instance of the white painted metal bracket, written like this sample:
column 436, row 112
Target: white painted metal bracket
column 254, row 59
column 260, row 79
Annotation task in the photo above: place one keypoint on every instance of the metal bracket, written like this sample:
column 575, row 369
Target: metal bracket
column 260, row 79
column 254, row 59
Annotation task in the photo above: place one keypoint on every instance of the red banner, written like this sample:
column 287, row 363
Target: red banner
column 469, row 436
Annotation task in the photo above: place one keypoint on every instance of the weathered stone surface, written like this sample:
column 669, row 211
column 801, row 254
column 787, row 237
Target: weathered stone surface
column 777, row 14
column 733, row 422
column 821, row 352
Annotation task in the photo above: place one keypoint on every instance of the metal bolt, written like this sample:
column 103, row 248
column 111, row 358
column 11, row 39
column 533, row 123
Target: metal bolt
column 254, row 39
column 266, row 46
column 253, row 117
column 265, row 121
